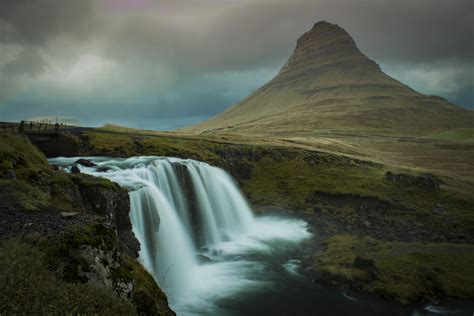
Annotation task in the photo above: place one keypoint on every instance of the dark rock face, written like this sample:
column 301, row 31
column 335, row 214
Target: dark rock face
column 99, row 266
column 232, row 161
column 55, row 144
column 427, row 182
column 113, row 203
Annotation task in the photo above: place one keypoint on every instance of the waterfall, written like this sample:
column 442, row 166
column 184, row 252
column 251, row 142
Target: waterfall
column 161, row 221
column 184, row 208
column 223, row 210
column 160, row 213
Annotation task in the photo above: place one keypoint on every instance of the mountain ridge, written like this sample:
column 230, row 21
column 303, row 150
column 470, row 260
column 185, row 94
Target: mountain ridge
column 329, row 85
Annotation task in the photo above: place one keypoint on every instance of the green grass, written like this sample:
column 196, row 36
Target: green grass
column 15, row 150
column 23, row 195
column 120, row 144
column 455, row 135
column 125, row 145
column 404, row 271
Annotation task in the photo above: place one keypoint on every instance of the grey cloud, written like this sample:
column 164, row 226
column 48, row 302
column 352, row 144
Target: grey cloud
column 28, row 61
column 183, row 60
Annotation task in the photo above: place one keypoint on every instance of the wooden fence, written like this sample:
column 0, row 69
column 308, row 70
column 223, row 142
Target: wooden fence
column 29, row 127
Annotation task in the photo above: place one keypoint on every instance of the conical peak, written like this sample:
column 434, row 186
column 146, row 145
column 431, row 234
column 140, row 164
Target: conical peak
column 326, row 43
column 323, row 30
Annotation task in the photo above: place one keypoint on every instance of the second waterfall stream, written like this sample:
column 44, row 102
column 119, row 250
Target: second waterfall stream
column 199, row 238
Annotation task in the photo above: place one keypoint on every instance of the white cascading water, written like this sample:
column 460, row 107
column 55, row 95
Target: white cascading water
column 162, row 222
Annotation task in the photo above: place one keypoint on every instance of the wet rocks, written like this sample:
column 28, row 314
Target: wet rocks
column 202, row 259
column 85, row 162
column 75, row 170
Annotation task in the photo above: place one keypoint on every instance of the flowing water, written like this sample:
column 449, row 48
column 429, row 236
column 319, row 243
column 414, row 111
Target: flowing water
column 212, row 255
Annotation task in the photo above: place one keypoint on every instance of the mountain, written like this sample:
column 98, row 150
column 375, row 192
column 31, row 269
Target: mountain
column 329, row 85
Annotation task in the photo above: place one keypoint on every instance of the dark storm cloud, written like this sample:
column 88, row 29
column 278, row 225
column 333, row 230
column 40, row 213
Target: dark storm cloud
column 35, row 21
column 181, row 60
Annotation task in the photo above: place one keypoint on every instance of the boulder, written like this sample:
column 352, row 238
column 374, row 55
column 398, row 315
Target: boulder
column 75, row 170
column 85, row 162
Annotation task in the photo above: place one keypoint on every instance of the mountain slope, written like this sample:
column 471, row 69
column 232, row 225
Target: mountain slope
column 329, row 85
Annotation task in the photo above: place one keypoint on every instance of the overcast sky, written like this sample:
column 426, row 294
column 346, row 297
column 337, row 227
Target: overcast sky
column 164, row 64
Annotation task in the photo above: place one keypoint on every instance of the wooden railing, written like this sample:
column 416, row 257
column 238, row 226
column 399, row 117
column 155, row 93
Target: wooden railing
column 30, row 127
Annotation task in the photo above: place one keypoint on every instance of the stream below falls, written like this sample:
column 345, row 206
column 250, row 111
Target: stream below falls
column 213, row 256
